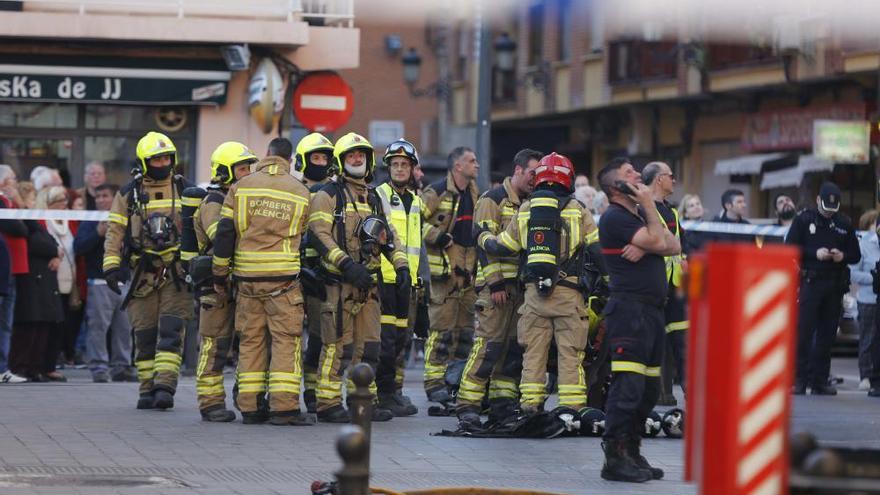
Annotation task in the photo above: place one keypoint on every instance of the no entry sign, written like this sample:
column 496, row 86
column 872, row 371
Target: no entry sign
column 323, row 102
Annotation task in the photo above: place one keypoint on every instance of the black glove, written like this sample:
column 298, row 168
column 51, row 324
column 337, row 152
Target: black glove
column 113, row 278
column 443, row 240
column 404, row 289
column 422, row 323
column 356, row 274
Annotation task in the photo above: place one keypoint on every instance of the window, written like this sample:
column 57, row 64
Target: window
column 462, row 54
column 536, row 33
column 41, row 115
column 597, row 26
column 564, row 23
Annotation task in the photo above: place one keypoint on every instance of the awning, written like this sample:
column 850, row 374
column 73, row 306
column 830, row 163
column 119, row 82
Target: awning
column 113, row 80
column 793, row 176
column 745, row 165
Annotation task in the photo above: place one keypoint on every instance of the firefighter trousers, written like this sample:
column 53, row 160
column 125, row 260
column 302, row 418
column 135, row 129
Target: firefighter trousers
column 561, row 315
column 496, row 356
column 636, row 340
column 269, row 316
column 158, row 317
column 216, row 329
column 313, row 345
column 451, row 333
column 675, row 313
column 395, row 337
column 350, row 320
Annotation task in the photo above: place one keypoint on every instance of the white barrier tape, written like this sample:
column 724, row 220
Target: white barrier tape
column 734, row 228
column 81, row 215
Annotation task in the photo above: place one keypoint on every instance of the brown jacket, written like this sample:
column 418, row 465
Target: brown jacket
column 441, row 201
column 261, row 225
column 207, row 219
column 495, row 209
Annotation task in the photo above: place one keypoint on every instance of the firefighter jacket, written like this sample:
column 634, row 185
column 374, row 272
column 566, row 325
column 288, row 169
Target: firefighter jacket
column 669, row 217
column 494, row 211
column 138, row 202
column 261, row 224
column 207, row 218
column 357, row 202
column 311, row 258
column 441, row 201
column 407, row 225
column 579, row 230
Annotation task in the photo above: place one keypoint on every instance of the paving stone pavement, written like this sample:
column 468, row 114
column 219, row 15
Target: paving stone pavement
column 81, row 437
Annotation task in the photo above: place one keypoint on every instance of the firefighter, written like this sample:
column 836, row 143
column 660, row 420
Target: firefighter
column 144, row 232
column 230, row 162
column 659, row 177
column 449, row 238
column 348, row 229
column 313, row 156
column 496, row 357
column 403, row 209
column 258, row 237
column 557, row 234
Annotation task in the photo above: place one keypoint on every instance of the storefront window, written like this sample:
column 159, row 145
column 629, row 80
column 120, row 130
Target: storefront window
column 119, row 117
column 23, row 154
column 40, row 115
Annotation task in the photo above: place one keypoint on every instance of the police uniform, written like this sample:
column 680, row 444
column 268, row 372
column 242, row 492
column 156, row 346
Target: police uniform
column 675, row 311
column 496, row 356
column 314, row 178
column 159, row 302
column 350, row 318
column 449, row 215
column 635, row 332
column 258, row 239
column 823, row 284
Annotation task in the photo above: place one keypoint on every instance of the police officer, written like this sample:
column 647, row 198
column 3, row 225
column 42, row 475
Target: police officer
column 348, row 229
column 449, row 211
column 659, row 177
column 828, row 244
column 261, row 224
column 634, row 244
column 555, row 232
column 313, row 156
column 403, row 210
column 496, row 357
column 144, row 232
column 230, row 162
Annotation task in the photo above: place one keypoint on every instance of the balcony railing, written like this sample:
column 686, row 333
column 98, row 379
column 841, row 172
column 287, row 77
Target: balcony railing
column 632, row 61
column 318, row 12
column 723, row 56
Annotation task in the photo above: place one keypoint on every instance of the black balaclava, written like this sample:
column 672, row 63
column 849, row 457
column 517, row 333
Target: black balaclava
column 159, row 173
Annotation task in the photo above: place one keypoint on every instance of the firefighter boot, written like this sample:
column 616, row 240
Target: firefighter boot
column 254, row 418
column 380, row 414
column 469, row 419
column 501, row 409
column 619, row 466
column 335, row 414
column 397, row 406
column 218, row 414
column 634, row 449
column 162, row 399
column 310, row 400
column 145, row 401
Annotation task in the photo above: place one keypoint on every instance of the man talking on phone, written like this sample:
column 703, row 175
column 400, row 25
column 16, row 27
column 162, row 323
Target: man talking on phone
column 634, row 243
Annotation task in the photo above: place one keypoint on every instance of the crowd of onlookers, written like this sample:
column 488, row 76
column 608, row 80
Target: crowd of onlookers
column 52, row 313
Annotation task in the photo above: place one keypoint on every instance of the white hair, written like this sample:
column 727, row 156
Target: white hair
column 45, row 177
column 93, row 164
column 600, row 202
column 6, row 171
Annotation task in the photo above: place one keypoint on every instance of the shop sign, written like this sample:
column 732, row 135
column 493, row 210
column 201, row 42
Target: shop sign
column 792, row 128
column 90, row 89
column 842, row 141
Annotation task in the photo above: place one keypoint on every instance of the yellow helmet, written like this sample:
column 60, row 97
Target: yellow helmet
column 350, row 142
column 310, row 144
column 152, row 145
column 225, row 158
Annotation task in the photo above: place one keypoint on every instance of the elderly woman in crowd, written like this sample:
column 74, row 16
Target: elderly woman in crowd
column 691, row 208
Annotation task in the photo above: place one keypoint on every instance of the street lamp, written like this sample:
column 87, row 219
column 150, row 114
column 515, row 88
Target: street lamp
column 412, row 65
column 505, row 50
column 505, row 57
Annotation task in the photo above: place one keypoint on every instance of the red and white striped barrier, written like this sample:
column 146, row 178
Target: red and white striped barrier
column 741, row 361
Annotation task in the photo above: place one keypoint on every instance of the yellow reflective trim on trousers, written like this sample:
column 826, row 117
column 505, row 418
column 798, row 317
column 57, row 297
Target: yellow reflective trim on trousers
column 210, row 379
column 546, row 202
column 432, row 371
column 207, row 345
column 251, row 375
column 117, row 218
column 541, row 258
column 144, row 369
column 284, row 375
column 653, row 371
column 325, row 384
column 479, row 344
column 628, row 367
column 251, row 388
column 677, row 326
column 210, row 390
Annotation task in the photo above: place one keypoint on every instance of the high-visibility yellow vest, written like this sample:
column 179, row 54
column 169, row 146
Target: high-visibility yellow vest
column 407, row 226
column 673, row 263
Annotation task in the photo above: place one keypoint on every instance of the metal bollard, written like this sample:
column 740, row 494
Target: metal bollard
column 354, row 449
column 360, row 403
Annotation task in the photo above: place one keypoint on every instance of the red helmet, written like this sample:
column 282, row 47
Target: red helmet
column 555, row 168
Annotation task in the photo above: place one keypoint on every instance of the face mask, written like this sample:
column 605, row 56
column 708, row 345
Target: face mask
column 787, row 213
column 356, row 171
column 158, row 173
column 316, row 173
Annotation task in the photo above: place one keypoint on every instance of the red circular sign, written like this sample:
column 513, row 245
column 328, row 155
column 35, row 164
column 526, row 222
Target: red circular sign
column 323, row 102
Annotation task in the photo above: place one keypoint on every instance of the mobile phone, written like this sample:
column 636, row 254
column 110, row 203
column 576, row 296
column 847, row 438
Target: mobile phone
column 624, row 187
